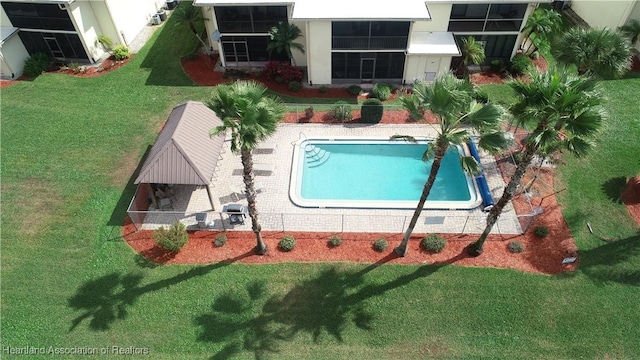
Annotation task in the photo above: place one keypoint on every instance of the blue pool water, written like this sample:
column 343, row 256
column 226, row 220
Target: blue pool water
column 383, row 171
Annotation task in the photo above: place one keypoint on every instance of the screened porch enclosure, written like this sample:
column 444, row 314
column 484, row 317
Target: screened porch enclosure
column 367, row 66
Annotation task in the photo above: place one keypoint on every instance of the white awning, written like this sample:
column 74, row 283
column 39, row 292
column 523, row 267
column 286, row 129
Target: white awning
column 360, row 10
column 432, row 43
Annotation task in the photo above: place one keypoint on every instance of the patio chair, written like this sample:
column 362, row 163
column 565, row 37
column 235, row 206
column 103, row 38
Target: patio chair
column 263, row 169
column 265, row 148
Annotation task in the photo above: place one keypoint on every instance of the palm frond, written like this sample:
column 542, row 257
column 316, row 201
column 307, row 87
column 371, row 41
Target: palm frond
column 470, row 165
column 407, row 138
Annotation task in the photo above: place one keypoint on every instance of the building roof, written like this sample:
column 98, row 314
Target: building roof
column 184, row 153
column 360, row 9
column 6, row 32
column 432, row 43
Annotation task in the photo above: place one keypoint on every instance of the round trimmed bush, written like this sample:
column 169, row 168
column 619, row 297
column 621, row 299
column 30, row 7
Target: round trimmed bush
column 380, row 245
column 287, row 243
column 541, row 231
column 381, row 91
column 220, row 240
column 433, row 243
column 295, row 86
column 121, row 52
column 323, row 89
column 372, row 111
column 516, row 247
column 335, row 241
column 173, row 238
column 354, row 90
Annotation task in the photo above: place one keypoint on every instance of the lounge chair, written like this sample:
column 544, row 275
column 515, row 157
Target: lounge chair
column 263, row 169
column 265, row 148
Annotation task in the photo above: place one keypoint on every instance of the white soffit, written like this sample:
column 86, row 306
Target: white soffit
column 360, row 10
column 432, row 43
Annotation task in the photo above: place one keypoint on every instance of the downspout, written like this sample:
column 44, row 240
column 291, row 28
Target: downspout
column 308, row 52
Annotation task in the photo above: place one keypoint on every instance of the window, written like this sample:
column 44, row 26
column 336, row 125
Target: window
column 495, row 46
column 487, row 17
column 249, row 19
column 369, row 35
column 247, row 49
column 38, row 16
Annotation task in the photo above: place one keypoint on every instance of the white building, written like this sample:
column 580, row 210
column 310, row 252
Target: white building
column 607, row 13
column 352, row 41
column 67, row 29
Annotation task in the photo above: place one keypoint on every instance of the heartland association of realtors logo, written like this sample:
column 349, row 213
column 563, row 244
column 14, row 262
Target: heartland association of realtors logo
column 76, row 350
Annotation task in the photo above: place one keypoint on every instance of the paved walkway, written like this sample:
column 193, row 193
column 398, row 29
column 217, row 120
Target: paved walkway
column 277, row 212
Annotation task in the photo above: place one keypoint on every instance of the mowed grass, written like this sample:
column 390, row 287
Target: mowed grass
column 69, row 150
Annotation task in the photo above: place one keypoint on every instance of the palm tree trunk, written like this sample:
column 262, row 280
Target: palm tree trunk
column 475, row 248
column 247, row 165
column 193, row 29
column 402, row 249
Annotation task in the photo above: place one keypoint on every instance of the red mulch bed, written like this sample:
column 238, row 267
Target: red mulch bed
column 489, row 77
column 631, row 198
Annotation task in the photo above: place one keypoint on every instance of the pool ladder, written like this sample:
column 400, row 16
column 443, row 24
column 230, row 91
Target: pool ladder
column 316, row 156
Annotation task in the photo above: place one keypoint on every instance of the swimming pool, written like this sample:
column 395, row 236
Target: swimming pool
column 376, row 173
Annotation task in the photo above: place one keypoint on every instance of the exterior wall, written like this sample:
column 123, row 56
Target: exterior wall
column 418, row 65
column 299, row 58
column 439, row 18
column 604, row 13
column 13, row 54
column 103, row 18
column 4, row 19
column 87, row 26
column 635, row 14
column 319, row 53
column 130, row 17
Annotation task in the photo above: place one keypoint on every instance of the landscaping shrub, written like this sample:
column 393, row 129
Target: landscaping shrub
column 381, row 91
column 541, row 231
column 481, row 96
column 433, row 243
column 104, row 42
column 220, row 240
column 520, row 64
column 75, row 67
column 281, row 72
column 516, row 247
column 497, row 65
column 412, row 104
column 372, row 111
column 36, row 64
column 335, row 241
column 342, row 111
column 294, row 86
column 380, row 245
column 121, row 52
column 287, row 243
column 172, row 239
column 354, row 90
column 323, row 89
column 308, row 112
column 535, row 55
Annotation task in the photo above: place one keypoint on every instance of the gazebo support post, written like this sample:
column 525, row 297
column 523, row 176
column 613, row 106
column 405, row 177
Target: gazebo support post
column 210, row 197
column 153, row 195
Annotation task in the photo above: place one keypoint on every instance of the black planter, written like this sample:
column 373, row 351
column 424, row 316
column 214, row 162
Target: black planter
column 171, row 4
column 162, row 14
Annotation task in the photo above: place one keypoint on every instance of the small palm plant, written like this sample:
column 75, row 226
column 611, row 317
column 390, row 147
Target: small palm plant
column 472, row 53
column 282, row 39
column 191, row 17
column 252, row 116
column 452, row 102
column 631, row 30
column 539, row 29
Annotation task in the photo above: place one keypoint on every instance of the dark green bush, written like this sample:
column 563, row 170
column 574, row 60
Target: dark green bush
column 323, row 89
column 354, row 90
column 36, row 64
column 433, row 243
column 121, row 52
column 520, row 64
column 380, row 245
column 412, row 104
column 516, row 247
column 287, row 243
column 335, row 241
column 541, row 231
column 295, row 86
column 381, row 91
column 220, row 240
column 481, row 96
column 497, row 65
column 172, row 239
column 342, row 111
column 372, row 111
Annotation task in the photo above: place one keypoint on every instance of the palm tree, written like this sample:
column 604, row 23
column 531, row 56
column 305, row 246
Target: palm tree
column 539, row 29
column 472, row 52
column 252, row 116
column 282, row 37
column 564, row 112
column 631, row 30
column 451, row 101
column 191, row 16
column 601, row 52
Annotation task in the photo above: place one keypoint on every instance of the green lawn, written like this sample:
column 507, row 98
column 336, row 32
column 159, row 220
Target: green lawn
column 68, row 151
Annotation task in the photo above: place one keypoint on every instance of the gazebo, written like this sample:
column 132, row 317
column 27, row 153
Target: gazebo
column 183, row 154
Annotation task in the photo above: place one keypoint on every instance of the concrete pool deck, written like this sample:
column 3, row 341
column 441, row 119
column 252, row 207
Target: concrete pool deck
column 278, row 212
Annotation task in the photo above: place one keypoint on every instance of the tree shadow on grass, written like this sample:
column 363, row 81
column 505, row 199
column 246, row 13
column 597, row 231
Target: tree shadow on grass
column 614, row 262
column 322, row 307
column 614, row 187
column 106, row 299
